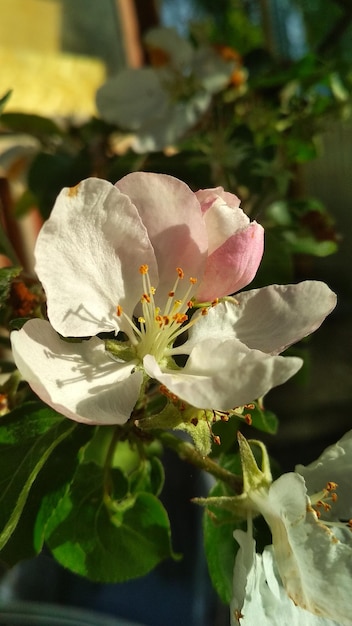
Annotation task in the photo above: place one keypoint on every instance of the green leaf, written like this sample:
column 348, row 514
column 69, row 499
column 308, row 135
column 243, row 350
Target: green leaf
column 30, row 123
column 25, row 203
column 7, row 274
column 262, row 419
column 4, row 99
column 220, row 545
column 145, row 472
column 28, row 537
column 28, row 436
column 49, row 173
column 309, row 245
column 148, row 477
column 18, row 323
column 105, row 539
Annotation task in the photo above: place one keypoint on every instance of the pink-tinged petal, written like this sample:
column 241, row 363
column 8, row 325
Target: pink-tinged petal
column 175, row 225
column 222, row 215
column 223, row 375
column 88, row 256
column 233, row 265
column 207, row 198
column 235, row 246
column 79, row 380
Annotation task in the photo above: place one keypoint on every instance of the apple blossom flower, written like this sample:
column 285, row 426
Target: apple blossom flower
column 160, row 103
column 307, row 570
column 258, row 589
column 132, row 259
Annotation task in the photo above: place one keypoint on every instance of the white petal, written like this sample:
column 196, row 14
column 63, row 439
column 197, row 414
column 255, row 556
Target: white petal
column 333, row 465
column 88, row 256
column 259, row 594
column 223, row 375
column 268, row 319
column 273, row 318
column 79, row 380
column 314, row 566
column 132, row 98
column 167, row 124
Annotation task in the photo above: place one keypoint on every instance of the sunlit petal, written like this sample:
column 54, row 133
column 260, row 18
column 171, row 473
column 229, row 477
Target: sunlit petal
column 78, row 379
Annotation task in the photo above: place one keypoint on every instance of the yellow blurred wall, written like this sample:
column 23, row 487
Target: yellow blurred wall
column 43, row 79
column 30, row 24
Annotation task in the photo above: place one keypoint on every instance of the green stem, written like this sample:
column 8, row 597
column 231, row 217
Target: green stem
column 188, row 453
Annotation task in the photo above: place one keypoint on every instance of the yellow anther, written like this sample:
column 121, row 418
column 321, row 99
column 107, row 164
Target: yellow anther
column 144, row 269
column 141, row 320
column 180, row 318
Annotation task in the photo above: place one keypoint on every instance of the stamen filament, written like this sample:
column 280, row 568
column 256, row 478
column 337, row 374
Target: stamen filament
column 157, row 329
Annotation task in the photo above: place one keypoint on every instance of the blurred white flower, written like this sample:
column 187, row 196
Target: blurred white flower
column 160, row 103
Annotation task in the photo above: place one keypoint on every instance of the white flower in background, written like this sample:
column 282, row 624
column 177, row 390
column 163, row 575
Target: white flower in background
column 160, row 103
column 305, row 577
column 133, row 259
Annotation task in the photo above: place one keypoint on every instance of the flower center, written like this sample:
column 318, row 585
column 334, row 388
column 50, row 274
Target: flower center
column 155, row 330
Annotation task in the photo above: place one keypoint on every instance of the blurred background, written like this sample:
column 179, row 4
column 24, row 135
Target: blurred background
column 257, row 100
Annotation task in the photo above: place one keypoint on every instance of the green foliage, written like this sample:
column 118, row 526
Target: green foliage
column 220, row 545
column 27, row 539
column 262, row 419
column 28, row 436
column 7, row 274
column 3, row 100
column 35, row 125
column 49, row 173
column 98, row 521
column 108, row 534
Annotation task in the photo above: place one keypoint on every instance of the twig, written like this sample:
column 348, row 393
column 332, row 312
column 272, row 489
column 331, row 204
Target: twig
column 187, row 452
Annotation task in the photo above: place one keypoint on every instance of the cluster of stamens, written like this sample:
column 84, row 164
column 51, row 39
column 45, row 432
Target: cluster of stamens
column 323, row 501
column 157, row 330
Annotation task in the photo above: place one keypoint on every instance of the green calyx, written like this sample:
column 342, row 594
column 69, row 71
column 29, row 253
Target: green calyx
column 254, row 478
